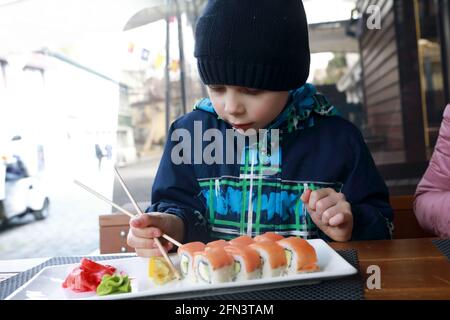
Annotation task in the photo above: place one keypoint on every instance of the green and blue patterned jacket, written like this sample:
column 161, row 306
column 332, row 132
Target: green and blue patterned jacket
column 261, row 190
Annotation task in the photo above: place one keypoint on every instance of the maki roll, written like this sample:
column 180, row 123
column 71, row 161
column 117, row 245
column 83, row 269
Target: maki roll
column 269, row 236
column 216, row 244
column 186, row 254
column 300, row 255
column 273, row 258
column 242, row 240
column 214, row 265
column 247, row 263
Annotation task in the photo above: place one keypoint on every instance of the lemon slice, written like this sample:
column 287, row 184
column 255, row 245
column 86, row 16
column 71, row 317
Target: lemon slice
column 159, row 271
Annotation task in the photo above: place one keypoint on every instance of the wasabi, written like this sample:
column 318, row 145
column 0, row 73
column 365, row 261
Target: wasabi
column 114, row 284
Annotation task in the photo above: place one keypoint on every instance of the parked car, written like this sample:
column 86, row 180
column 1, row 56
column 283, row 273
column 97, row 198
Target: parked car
column 21, row 193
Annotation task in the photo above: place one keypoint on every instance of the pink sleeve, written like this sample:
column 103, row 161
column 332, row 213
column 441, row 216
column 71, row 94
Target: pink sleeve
column 432, row 204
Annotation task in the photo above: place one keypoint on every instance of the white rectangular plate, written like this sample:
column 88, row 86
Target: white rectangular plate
column 47, row 284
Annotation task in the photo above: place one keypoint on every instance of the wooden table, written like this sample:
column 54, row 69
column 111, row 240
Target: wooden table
column 410, row 268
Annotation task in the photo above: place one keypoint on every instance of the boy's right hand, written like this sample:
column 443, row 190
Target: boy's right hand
column 148, row 226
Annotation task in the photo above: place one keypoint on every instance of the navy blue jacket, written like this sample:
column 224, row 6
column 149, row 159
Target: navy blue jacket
column 214, row 200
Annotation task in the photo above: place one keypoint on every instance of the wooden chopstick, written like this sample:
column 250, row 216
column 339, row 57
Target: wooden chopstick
column 98, row 195
column 138, row 209
column 170, row 239
column 124, row 211
column 158, row 243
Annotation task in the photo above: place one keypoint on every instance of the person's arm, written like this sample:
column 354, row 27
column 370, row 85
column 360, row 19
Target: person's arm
column 432, row 204
column 175, row 191
column 368, row 195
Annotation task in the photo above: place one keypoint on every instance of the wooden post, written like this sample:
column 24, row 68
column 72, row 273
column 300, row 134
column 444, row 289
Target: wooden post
column 410, row 87
column 195, row 13
column 182, row 64
column 167, row 70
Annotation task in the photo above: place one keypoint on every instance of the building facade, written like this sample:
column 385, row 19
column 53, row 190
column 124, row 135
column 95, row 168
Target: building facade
column 405, row 52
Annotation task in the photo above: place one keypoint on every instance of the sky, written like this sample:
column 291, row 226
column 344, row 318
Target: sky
column 334, row 10
column 97, row 39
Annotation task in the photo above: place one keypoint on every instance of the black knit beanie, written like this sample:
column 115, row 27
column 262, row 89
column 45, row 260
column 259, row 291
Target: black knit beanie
column 261, row 44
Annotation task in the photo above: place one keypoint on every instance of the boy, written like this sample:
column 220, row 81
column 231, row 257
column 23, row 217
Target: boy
column 307, row 173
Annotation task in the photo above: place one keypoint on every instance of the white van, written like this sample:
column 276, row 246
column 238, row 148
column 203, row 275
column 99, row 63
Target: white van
column 20, row 192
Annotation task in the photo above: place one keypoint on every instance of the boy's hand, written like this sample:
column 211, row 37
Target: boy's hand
column 148, row 226
column 330, row 212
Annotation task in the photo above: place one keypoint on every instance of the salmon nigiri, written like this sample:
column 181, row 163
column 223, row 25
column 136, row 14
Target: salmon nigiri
column 247, row 263
column 272, row 256
column 214, row 265
column 186, row 253
column 270, row 236
column 300, row 255
column 242, row 240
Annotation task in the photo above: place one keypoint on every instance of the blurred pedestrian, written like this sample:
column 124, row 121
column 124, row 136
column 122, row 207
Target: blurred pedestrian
column 108, row 149
column 99, row 155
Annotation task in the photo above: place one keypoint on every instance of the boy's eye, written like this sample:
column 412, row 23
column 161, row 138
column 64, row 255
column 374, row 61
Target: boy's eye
column 217, row 88
column 252, row 91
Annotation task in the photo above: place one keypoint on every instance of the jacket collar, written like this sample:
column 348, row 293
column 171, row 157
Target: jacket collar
column 297, row 114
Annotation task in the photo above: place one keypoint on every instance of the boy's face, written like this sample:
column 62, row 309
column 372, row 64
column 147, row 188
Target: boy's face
column 245, row 108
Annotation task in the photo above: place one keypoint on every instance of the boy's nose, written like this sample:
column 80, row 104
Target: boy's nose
column 233, row 106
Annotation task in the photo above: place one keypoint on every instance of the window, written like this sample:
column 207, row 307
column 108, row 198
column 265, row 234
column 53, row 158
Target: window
column 430, row 66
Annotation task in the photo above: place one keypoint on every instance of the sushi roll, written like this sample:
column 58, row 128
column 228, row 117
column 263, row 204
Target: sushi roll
column 216, row 244
column 242, row 240
column 273, row 258
column 247, row 263
column 214, row 265
column 186, row 254
column 300, row 255
column 271, row 236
